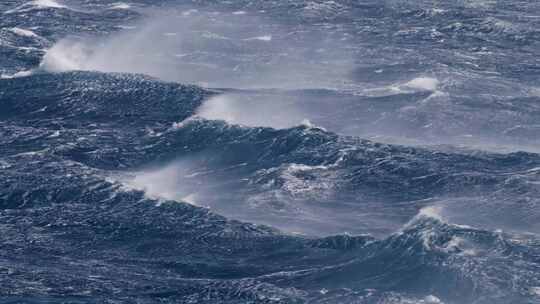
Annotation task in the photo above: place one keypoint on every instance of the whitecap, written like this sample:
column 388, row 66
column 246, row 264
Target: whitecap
column 535, row 291
column 29, row 49
column 4, row 164
column 423, row 83
column 183, row 123
column 48, row 3
column 36, row 4
column 294, row 168
column 120, row 5
column 190, row 12
column 431, row 299
column 308, row 124
column 261, row 38
column 55, row 134
column 23, row 32
column 16, row 75
column 433, row 212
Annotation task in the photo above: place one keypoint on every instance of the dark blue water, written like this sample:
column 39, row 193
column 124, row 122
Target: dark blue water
column 269, row 151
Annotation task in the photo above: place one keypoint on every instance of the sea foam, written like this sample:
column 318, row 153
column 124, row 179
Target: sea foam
column 23, row 32
column 423, row 83
column 36, row 4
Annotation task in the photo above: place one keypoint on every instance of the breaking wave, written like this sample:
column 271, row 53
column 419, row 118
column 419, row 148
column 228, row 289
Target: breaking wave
column 265, row 152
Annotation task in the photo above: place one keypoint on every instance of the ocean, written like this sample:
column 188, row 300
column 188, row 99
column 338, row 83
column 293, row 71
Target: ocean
column 264, row 151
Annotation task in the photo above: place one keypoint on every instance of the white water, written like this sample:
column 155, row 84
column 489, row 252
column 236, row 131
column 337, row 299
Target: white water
column 246, row 51
column 163, row 183
column 120, row 5
column 252, row 112
column 23, row 32
column 423, row 83
column 36, row 4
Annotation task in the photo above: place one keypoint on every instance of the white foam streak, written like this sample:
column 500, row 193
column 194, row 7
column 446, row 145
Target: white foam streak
column 120, row 5
column 261, row 38
column 36, row 4
column 48, row 3
column 16, row 75
column 23, row 32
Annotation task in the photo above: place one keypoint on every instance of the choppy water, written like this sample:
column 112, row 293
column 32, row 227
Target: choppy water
column 269, row 151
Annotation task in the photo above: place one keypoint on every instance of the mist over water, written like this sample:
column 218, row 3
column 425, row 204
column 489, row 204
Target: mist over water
column 431, row 105
column 254, row 111
column 212, row 49
column 281, row 77
column 270, row 151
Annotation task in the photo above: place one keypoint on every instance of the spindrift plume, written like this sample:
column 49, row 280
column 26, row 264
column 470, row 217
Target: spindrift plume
column 269, row 152
column 210, row 48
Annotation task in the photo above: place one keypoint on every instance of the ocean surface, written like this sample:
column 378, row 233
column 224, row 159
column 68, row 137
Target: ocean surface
column 259, row 151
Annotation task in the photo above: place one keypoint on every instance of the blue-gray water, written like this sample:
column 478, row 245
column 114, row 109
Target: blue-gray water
column 270, row 151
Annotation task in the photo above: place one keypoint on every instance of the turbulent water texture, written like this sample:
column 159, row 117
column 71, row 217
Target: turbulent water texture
column 270, row 151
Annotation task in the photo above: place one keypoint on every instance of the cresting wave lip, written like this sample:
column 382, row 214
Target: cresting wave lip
column 288, row 172
column 425, row 243
column 437, row 118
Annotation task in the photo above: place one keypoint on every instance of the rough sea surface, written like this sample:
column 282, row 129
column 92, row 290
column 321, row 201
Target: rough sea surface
column 291, row 151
